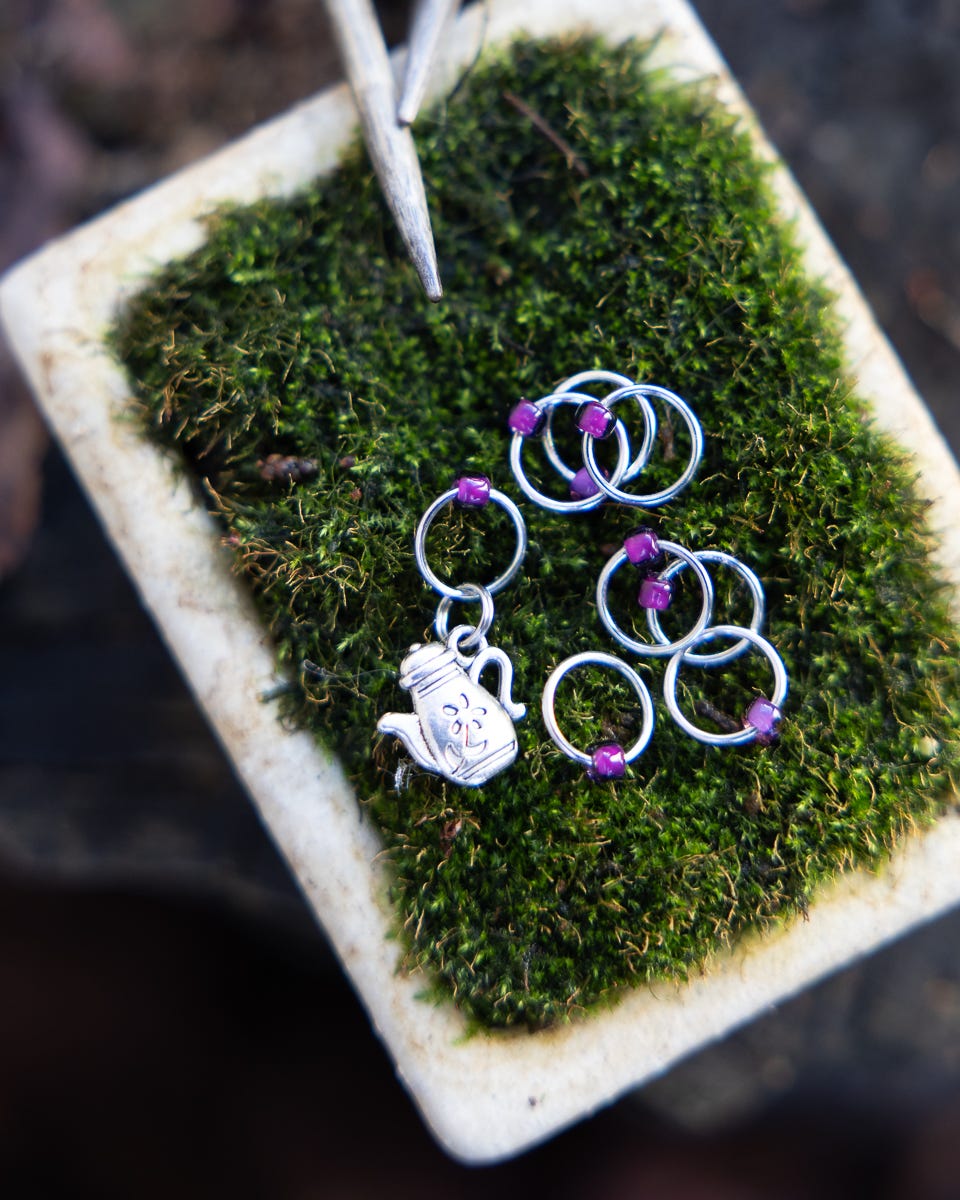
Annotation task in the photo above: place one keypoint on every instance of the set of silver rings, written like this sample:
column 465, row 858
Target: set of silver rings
column 597, row 419
column 760, row 720
column 458, row 727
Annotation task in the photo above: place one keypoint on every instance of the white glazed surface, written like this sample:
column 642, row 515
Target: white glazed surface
column 488, row 1096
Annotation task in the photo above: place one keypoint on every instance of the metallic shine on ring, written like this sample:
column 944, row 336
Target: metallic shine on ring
column 598, row 376
column 420, row 546
column 596, row 658
column 655, row 649
column 652, row 499
column 547, row 404
column 642, row 456
column 463, row 638
column 477, row 633
column 739, row 737
column 721, row 558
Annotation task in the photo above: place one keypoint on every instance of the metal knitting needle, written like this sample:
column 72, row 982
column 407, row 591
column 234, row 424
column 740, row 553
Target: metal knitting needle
column 390, row 146
column 428, row 22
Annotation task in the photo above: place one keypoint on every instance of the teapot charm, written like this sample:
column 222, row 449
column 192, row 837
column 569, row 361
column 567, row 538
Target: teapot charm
column 457, row 728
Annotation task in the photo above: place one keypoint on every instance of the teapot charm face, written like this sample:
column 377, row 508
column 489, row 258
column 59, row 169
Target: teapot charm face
column 457, row 728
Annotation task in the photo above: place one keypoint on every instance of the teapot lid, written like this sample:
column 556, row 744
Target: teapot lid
column 423, row 661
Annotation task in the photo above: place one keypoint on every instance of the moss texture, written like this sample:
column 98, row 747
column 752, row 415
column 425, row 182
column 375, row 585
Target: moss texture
column 652, row 247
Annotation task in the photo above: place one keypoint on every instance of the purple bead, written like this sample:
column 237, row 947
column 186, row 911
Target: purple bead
column 473, row 491
column 641, row 546
column 609, row 762
column 655, row 593
column 595, row 419
column 763, row 716
column 526, row 419
column 582, row 486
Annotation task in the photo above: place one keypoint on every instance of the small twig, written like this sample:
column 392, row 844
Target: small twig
column 665, row 431
column 574, row 161
column 703, row 708
column 322, row 675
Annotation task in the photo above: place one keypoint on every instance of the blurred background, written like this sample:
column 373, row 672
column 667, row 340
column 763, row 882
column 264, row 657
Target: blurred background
column 171, row 1020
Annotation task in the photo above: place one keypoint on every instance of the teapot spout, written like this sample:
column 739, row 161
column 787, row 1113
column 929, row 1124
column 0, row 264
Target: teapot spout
column 406, row 726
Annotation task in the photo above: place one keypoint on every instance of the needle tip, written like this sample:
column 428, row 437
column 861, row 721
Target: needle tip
column 432, row 285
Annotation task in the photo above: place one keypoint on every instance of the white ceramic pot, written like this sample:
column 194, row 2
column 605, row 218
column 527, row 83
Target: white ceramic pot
column 487, row 1096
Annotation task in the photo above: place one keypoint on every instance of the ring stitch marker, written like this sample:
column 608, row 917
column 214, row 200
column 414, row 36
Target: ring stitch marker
column 609, row 760
column 654, row 649
column 641, row 391
column 763, row 715
column 545, row 405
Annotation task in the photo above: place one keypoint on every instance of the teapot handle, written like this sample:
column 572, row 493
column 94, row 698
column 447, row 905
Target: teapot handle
column 483, row 660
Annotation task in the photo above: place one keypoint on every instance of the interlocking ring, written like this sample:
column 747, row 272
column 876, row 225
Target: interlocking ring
column 609, row 760
column 546, row 404
column 572, row 382
column 719, row 657
column 655, row 649
column 642, row 456
column 465, row 638
column 762, row 716
column 651, row 499
column 477, row 633
column 461, row 593
column 619, row 381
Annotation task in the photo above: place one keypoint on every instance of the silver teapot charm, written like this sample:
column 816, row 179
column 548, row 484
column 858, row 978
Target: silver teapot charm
column 457, row 728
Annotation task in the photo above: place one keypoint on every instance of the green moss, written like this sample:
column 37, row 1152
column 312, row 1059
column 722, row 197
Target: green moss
column 299, row 329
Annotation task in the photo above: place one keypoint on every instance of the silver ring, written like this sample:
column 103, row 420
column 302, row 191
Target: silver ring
column 572, row 382
column 642, row 456
column 719, row 657
column 465, row 637
column 420, row 545
column 741, row 736
column 655, row 649
column 652, row 499
column 479, row 631
column 547, row 404
column 600, row 659
column 570, row 385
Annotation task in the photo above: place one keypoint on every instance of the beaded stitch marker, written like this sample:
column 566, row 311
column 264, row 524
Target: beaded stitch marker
column 608, row 760
column 460, row 730
column 457, row 728
column 657, row 561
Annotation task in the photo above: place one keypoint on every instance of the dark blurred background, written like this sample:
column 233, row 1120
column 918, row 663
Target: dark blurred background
column 171, row 1021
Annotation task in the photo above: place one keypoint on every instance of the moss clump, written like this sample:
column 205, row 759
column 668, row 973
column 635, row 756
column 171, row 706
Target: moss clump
column 300, row 330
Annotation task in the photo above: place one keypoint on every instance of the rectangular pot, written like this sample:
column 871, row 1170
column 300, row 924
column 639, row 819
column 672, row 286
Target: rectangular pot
column 487, row 1096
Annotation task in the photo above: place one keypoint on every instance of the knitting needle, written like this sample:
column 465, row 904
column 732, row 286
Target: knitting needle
column 389, row 145
column 426, row 26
